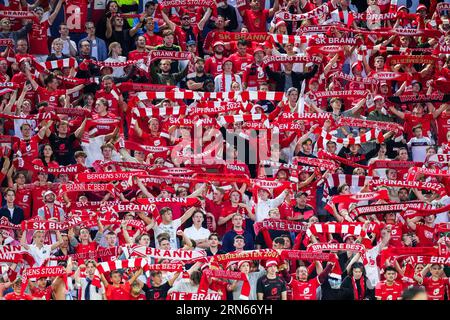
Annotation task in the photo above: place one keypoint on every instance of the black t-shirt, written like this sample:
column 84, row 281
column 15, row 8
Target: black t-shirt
column 157, row 293
column 63, row 148
column 271, row 288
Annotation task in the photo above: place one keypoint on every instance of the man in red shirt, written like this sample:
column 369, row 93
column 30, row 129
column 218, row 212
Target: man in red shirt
column 213, row 65
column 151, row 39
column 188, row 30
column 241, row 58
column 117, row 290
column 152, row 138
column 50, row 93
column 255, row 18
column 28, row 147
column 101, row 112
column 304, row 289
column 138, row 54
column 436, row 284
column 443, row 124
column 17, row 295
column 110, row 92
column 425, row 232
column 389, row 289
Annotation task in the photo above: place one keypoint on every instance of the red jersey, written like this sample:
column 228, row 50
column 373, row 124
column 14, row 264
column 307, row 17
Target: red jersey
column 240, row 62
column 255, row 21
column 15, row 296
column 29, row 149
column 21, row 78
column 153, row 40
column 38, row 199
column 183, row 35
column 23, row 200
column 138, row 55
column 215, row 209
column 151, row 140
column 253, row 75
column 122, row 292
column 304, row 290
column 425, row 235
column 50, row 96
column 37, row 38
column 386, row 292
column 443, row 126
column 411, row 121
column 82, row 248
column 105, row 128
column 435, row 289
column 213, row 65
column 43, row 294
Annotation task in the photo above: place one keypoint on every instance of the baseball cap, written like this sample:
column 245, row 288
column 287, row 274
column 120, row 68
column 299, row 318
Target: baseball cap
column 347, row 236
column 217, row 43
column 190, row 42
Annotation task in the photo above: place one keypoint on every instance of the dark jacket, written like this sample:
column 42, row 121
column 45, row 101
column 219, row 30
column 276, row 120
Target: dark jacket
column 18, row 216
column 297, row 77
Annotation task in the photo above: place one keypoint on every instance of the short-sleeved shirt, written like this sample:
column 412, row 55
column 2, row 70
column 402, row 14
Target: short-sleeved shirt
column 171, row 229
column 157, row 293
column 122, row 292
column 50, row 96
column 63, row 148
column 271, row 288
column 41, row 254
column 304, row 290
column 385, row 292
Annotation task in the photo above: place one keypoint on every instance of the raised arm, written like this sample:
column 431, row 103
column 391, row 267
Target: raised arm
column 55, row 12
column 187, row 214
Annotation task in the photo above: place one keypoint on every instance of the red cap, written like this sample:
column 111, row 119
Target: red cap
column 402, row 7
column 241, row 262
column 280, row 23
column 258, row 49
column 421, row 7
column 378, row 98
column 312, row 80
column 270, row 263
column 218, row 43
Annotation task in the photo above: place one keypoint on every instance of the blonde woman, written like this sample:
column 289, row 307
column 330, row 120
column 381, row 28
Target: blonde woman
column 114, row 53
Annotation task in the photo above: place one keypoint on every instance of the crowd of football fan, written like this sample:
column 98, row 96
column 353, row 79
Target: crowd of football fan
column 217, row 173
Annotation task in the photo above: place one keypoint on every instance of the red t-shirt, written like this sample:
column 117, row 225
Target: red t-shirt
column 40, row 293
column 304, row 290
column 240, row 62
column 15, row 296
column 435, row 289
column 50, row 96
column 118, row 293
column 215, row 210
column 105, row 128
column 28, row 148
column 255, row 21
column 443, row 126
column 411, row 121
column 23, row 200
column 385, row 292
column 37, row 38
column 425, row 235
column 254, row 75
column 153, row 40
column 213, row 65
column 21, row 78
column 38, row 199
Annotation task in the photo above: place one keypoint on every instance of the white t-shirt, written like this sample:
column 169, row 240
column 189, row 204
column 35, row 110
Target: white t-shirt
column 94, row 152
column 196, row 234
column 40, row 255
column 418, row 147
column 117, row 71
column 171, row 229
